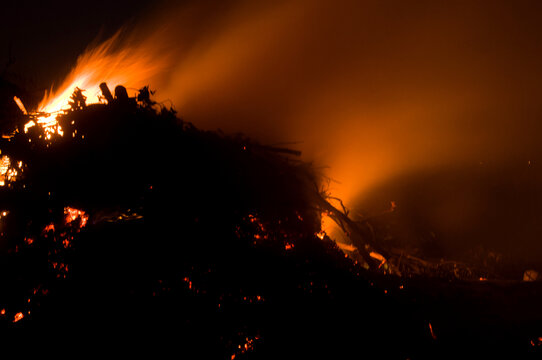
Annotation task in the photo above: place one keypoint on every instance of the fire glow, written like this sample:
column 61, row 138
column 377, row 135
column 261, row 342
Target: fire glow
column 72, row 214
column 210, row 68
column 131, row 66
column 364, row 144
column 356, row 107
column 7, row 171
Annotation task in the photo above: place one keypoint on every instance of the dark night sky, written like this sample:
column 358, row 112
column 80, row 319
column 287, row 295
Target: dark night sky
column 44, row 38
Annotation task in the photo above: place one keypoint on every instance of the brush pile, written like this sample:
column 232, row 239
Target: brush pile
column 120, row 216
column 124, row 219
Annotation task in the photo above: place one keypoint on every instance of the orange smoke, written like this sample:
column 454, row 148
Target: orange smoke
column 367, row 90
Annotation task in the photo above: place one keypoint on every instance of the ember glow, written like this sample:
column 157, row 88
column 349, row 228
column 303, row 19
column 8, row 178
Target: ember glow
column 247, row 346
column 18, row 317
column 8, row 172
column 48, row 122
column 72, row 215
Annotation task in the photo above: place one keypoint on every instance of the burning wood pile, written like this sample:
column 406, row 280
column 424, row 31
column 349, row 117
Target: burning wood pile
column 119, row 212
column 43, row 130
column 80, row 120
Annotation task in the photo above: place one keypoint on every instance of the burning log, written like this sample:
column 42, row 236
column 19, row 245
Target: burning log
column 380, row 257
column 353, row 230
column 106, row 92
column 20, row 105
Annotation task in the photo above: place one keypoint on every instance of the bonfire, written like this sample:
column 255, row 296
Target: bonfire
column 117, row 211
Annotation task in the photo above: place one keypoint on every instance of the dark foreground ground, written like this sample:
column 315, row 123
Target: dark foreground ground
column 203, row 246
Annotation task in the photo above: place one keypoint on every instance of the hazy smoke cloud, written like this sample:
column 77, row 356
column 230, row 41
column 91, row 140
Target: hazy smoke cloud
column 371, row 89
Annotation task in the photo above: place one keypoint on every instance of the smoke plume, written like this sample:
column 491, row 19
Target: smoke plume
column 370, row 90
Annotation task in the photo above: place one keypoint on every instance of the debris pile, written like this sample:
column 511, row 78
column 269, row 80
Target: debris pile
column 121, row 216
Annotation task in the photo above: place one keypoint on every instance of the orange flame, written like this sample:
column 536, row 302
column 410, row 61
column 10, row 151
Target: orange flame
column 132, row 66
column 109, row 62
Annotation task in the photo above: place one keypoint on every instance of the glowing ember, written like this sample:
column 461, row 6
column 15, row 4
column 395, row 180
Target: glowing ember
column 72, row 214
column 537, row 342
column 7, row 172
column 253, row 299
column 247, row 346
column 188, row 281
column 255, row 220
column 377, row 256
column 29, row 125
column 50, row 227
column 346, row 247
column 20, row 105
column 19, row 316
